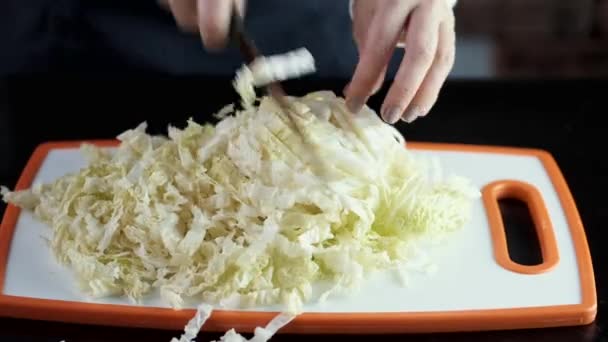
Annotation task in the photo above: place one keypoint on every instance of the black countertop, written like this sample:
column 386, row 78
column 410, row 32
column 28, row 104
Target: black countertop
column 562, row 117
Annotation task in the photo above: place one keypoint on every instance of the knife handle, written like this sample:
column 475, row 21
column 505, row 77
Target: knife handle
column 238, row 36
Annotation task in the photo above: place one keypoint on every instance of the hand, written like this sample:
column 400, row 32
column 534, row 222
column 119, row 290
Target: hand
column 426, row 27
column 210, row 18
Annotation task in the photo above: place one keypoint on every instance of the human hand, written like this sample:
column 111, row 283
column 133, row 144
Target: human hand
column 210, row 18
column 426, row 27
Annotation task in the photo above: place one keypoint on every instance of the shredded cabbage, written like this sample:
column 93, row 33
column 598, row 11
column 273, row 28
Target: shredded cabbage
column 203, row 311
column 264, row 70
column 260, row 334
column 232, row 215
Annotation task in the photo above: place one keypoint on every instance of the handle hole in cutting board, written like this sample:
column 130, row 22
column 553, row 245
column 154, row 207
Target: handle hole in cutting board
column 522, row 241
column 528, row 244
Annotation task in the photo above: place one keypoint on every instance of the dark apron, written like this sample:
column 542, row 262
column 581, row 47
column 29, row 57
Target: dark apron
column 102, row 36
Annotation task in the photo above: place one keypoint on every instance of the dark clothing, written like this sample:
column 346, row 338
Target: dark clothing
column 138, row 35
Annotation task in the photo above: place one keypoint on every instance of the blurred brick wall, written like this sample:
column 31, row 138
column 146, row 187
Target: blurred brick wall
column 547, row 38
column 601, row 18
column 526, row 18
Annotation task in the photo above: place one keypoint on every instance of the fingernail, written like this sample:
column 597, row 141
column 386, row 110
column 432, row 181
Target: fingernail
column 391, row 115
column 412, row 114
column 355, row 104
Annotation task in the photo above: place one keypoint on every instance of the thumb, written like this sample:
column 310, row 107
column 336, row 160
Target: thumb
column 214, row 21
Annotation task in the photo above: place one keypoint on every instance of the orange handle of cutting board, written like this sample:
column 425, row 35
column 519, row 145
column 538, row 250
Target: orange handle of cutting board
column 528, row 194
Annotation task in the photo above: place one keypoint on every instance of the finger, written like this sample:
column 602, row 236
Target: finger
column 240, row 7
column 377, row 85
column 401, row 41
column 421, row 46
column 362, row 17
column 363, row 13
column 379, row 80
column 184, row 12
column 439, row 71
column 376, row 52
column 214, row 22
column 403, row 34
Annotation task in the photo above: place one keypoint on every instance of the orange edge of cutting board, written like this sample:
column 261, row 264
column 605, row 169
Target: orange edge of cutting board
column 325, row 323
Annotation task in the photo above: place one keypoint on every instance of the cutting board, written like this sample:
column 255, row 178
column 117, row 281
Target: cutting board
column 476, row 286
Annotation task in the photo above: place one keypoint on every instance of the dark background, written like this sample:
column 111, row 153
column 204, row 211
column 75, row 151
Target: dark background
column 528, row 73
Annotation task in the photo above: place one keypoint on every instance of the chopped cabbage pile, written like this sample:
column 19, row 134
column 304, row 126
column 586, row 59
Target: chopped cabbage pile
column 235, row 215
column 232, row 215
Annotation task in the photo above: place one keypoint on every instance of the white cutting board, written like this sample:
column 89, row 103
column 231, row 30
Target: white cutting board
column 467, row 275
